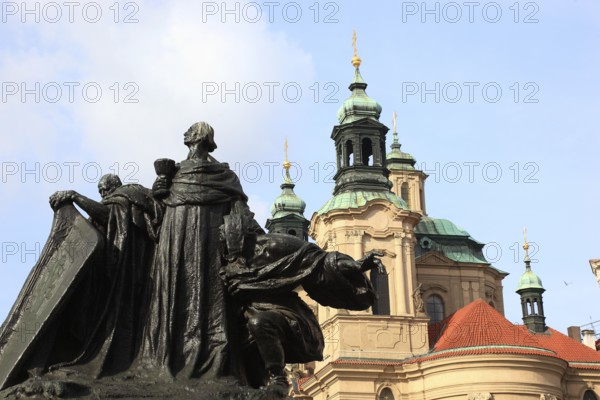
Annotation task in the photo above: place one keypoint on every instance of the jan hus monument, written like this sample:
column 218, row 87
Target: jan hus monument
column 173, row 291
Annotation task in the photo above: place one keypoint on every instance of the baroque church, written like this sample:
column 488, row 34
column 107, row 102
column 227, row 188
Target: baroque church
column 437, row 330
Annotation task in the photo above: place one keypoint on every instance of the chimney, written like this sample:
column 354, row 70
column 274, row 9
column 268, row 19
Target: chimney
column 589, row 338
column 574, row 333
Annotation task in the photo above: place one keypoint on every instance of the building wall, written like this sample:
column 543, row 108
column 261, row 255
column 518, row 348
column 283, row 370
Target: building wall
column 377, row 226
column 458, row 284
column 373, row 337
column 415, row 181
column 505, row 376
column 577, row 381
column 502, row 376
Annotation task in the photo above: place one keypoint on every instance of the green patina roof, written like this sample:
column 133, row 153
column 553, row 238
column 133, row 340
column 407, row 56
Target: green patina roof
column 466, row 255
column 438, row 226
column 358, row 105
column 356, row 199
column 451, row 240
column 399, row 166
column 397, row 159
column 287, row 202
column 529, row 280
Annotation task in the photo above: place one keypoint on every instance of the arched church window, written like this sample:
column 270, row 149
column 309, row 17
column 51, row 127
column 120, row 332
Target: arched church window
column 405, row 194
column 589, row 395
column 367, row 152
column 382, row 288
column 349, row 153
column 386, row 394
column 435, row 308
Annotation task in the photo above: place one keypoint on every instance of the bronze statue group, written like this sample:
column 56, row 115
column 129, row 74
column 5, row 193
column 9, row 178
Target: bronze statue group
column 189, row 286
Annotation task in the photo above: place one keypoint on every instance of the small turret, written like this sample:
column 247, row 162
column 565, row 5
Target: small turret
column 288, row 209
column 408, row 182
column 530, row 289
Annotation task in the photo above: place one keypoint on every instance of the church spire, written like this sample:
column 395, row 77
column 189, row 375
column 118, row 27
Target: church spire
column 408, row 181
column 288, row 209
column 359, row 105
column 530, row 289
column 395, row 142
column 287, row 181
column 397, row 159
column 360, row 140
column 356, row 59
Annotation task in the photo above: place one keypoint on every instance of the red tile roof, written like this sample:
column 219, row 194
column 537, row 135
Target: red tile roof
column 568, row 349
column 479, row 324
column 479, row 329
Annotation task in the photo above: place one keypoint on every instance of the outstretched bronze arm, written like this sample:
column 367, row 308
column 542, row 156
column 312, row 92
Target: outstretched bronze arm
column 94, row 209
column 371, row 261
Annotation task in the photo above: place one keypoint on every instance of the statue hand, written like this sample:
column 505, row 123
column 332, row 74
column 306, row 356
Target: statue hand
column 161, row 186
column 53, row 202
column 70, row 195
column 371, row 261
column 60, row 198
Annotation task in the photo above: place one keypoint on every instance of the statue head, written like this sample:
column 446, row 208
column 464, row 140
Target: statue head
column 108, row 183
column 201, row 132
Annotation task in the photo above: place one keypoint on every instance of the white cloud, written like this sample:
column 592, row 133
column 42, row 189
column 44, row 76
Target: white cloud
column 167, row 58
column 168, row 55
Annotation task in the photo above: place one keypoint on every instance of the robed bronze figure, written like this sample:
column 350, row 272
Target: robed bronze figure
column 171, row 291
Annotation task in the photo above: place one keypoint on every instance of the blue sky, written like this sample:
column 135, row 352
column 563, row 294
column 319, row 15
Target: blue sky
column 498, row 103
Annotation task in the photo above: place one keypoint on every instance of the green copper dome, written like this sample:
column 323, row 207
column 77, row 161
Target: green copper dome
column 287, row 202
column 358, row 105
column 356, row 199
column 529, row 280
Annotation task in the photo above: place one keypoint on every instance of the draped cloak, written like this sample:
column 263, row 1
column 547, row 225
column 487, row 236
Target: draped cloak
column 96, row 328
column 280, row 263
column 121, row 285
column 189, row 330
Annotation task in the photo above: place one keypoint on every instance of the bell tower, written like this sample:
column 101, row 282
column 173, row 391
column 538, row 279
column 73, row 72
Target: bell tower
column 365, row 215
column 360, row 140
column 408, row 182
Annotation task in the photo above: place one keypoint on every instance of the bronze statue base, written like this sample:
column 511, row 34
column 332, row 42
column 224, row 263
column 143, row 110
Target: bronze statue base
column 65, row 385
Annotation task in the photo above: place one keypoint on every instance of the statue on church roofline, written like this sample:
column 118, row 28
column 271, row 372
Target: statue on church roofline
column 169, row 291
column 595, row 265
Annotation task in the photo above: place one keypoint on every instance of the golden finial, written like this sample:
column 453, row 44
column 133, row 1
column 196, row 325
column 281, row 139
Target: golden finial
column 394, row 121
column 356, row 59
column 286, row 164
column 525, row 244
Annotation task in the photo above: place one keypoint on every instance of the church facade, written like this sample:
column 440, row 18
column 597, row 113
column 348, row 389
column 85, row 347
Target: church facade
column 437, row 330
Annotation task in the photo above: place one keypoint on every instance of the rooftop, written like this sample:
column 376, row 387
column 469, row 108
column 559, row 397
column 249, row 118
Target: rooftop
column 479, row 329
